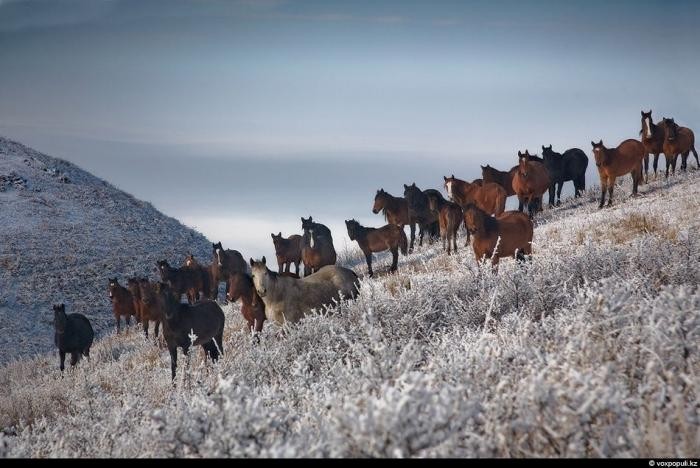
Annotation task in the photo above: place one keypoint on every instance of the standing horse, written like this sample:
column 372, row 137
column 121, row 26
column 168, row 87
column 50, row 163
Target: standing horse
column 122, row 303
column 288, row 299
column 318, row 250
column 389, row 237
column 224, row 264
column 240, row 286
column 679, row 140
column 509, row 234
column 504, row 179
column 653, row 140
column 204, row 319
column 489, row 196
column 395, row 210
column 132, row 284
column 73, row 334
column 530, row 182
column 200, row 281
column 615, row 162
column 150, row 312
column 571, row 165
column 418, row 208
column 449, row 217
column 183, row 280
column 288, row 251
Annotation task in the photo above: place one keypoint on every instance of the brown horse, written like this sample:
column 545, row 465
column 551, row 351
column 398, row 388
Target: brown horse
column 205, row 320
column 189, row 281
column 224, row 264
column 395, row 210
column 318, row 250
column 653, row 140
column 150, row 312
column 504, row 179
column 200, row 281
column 449, row 218
column 122, row 303
column 489, row 196
column 530, row 182
column 615, row 162
column 288, row 251
column 132, row 284
column 240, row 286
column 678, row 140
column 389, row 237
column 509, row 234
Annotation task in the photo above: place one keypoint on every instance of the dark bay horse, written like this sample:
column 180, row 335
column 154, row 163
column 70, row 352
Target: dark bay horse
column 73, row 335
column 288, row 251
column 653, row 140
column 530, row 182
column 204, row 319
column 395, row 210
column 184, row 280
column 132, row 284
column 240, row 286
column 150, row 312
column 488, row 196
column 200, row 281
column 678, row 140
column 122, row 303
column 389, row 237
column 562, row 168
column 509, row 234
column 224, row 264
column 449, row 219
column 504, row 179
column 615, row 162
column 419, row 210
column 317, row 246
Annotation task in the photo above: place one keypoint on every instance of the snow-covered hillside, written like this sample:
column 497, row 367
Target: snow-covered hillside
column 63, row 232
column 591, row 349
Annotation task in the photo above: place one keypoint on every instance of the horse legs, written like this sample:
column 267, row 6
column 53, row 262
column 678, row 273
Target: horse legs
column 611, row 184
column 520, row 203
column 603, row 188
column 413, row 236
column 307, row 270
column 368, row 257
column 454, row 237
column 62, row 356
column 552, row 188
column 145, row 326
column 296, row 268
column 656, row 163
column 443, row 238
column 395, row 258
column 128, row 320
column 119, row 326
column 684, row 161
column 560, row 186
column 173, row 362
column 668, row 163
column 674, row 160
column 157, row 327
column 646, row 167
column 74, row 356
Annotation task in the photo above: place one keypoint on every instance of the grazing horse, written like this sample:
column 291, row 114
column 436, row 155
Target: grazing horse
column 419, row 210
column 150, row 312
column 132, row 284
column 389, row 237
column 184, row 280
column 395, row 210
column 571, row 165
column 288, row 251
column 530, row 182
column 615, row 162
column 317, row 250
column 122, row 303
column 653, row 140
column 73, row 334
column 449, row 218
column 288, row 299
column 509, row 234
column 198, row 284
column 204, row 319
column 679, row 140
column 224, row 264
column 240, row 286
column 489, row 196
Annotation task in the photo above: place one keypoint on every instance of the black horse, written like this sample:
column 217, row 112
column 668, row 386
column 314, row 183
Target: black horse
column 74, row 334
column 419, row 208
column 569, row 166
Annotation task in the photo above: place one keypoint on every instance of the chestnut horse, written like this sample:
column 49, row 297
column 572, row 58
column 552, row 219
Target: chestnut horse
column 449, row 219
column 510, row 234
column 288, row 251
column 389, row 237
column 395, row 210
column 240, row 286
column 679, row 140
column 504, row 179
column 224, row 264
column 561, row 168
column 317, row 246
column 122, row 303
column 530, row 182
column 653, row 140
column 615, row 162
column 490, row 197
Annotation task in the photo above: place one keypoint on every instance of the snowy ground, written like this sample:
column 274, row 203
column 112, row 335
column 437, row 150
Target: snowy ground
column 63, row 232
column 591, row 349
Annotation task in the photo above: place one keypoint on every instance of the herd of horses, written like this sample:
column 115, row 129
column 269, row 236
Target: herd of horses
column 285, row 297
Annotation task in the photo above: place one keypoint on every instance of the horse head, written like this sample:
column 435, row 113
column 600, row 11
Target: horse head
column 261, row 276
column 599, row 151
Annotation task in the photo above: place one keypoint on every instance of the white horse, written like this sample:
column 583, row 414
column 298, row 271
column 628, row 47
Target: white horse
column 288, row 299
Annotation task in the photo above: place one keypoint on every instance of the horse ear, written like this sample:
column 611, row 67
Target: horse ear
column 251, row 261
column 272, row 234
column 453, row 176
column 592, row 144
column 601, row 142
column 405, row 186
column 263, row 260
column 445, row 177
column 413, row 184
column 519, row 153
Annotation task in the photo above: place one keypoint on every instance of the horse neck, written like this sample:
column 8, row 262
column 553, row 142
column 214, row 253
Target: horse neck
column 248, row 292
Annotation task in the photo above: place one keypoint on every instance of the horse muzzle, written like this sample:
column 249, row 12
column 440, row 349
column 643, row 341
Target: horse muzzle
column 375, row 211
column 262, row 293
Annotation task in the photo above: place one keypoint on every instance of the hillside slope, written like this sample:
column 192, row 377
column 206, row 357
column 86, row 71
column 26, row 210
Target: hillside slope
column 63, row 232
column 591, row 349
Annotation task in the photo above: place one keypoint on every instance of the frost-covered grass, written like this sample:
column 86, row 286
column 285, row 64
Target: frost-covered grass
column 63, row 232
column 590, row 349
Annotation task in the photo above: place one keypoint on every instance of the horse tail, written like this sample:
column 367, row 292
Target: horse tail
column 403, row 241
